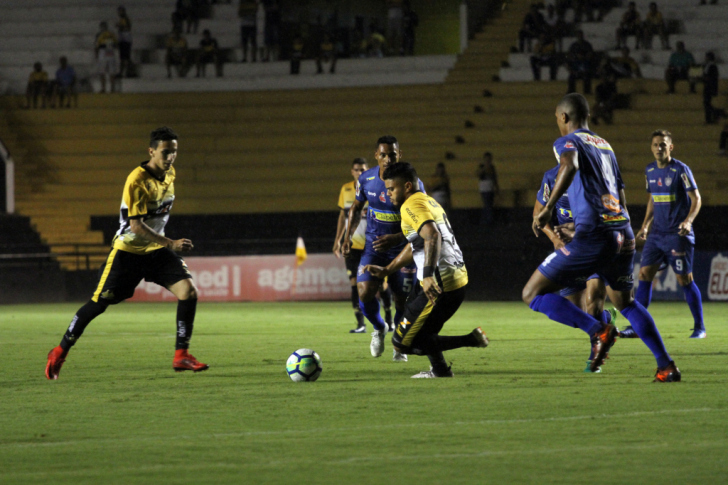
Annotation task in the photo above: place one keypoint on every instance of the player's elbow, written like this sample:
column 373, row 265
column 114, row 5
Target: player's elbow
column 528, row 294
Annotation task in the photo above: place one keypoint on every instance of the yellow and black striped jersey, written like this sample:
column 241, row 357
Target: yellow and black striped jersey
column 147, row 198
column 416, row 211
column 347, row 196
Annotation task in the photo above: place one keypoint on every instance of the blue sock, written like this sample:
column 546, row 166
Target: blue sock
column 644, row 293
column 645, row 327
column 606, row 317
column 695, row 302
column 561, row 310
column 370, row 310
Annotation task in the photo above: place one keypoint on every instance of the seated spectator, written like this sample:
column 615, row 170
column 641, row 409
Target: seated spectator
column 629, row 25
column 377, row 44
column 123, row 28
column 533, row 25
column 105, row 48
column 37, row 87
column 655, row 24
column 439, row 187
column 65, row 86
column 208, row 53
column 326, row 54
column 606, row 100
column 296, row 54
column 625, row 66
column 410, row 20
column 555, row 26
column 711, row 78
column 176, row 53
column 712, row 2
column 544, row 54
column 678, row 67
column 579, row 62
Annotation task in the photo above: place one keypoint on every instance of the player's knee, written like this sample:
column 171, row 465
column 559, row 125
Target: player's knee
column 684, row 279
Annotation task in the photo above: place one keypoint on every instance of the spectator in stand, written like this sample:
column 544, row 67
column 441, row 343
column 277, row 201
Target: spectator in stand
column 377, row 43
column 606, row 100
column 123, row 29
column 625, row 66
column 326, row 54
column 629, row 25
column 208, row 53
column 247, row 10
column 555, row 27
column 439, row 187
column 189, row 11
column 105, row 49
column 723, row 152
column 176, row 53
column 260, row 31
column 587, row 7
column 544, row 54
column 410, row 20
column 678, row 67
column 395, row 13
column 37, row 87
column 296, row 54
column 655, row 24
column 533, row 25
column 272, row 29
column 710, row 88
column 488, row 187
column 579, row 62
column 65, row 86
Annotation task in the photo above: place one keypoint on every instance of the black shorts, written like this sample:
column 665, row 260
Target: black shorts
column 422, row 318
column 123, row 271
column 352, row 262
column 124, row 51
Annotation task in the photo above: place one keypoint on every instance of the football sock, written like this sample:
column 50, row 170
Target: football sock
column 438, row 363
column 398, row 315
column 354, row 298
column 561, row 310
column 644, row 293
column 185, row 322
column 386, row 296
column 359, row 318
column 695, row 302
column 606, row 317
column 83, row 317
column 370, row 310
column 645, row 328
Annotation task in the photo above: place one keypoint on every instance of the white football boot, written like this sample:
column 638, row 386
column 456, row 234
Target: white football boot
column 428, row 374
column 377, row 345
column 398, row 356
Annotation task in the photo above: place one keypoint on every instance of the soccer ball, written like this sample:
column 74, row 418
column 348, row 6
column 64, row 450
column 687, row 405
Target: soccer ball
column 304, row 365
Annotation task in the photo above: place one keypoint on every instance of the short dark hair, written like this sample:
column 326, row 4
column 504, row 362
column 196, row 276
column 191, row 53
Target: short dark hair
column 664, row 133
column 710, row 55
column 163, row 133
column 387, row 140
column 402, row 170
column 575, row 106
column 359, row 161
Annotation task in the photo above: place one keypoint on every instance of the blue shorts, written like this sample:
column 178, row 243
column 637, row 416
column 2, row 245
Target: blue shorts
column 400, row 282
column 608, row 254
column 576, row 289
column 673, row 249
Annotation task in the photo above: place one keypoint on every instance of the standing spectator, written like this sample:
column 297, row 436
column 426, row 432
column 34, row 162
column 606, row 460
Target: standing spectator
column 377, row 43
column 410, row 20
column 629, row 25
column 655, row 24
column 710, row 88
column 712, row 2
column 208, row 53
column 488, row 187
column 395, row 13
column 606, row 100
column 123, row 28
column 189, row 11
column 296, row 54
column 678, row 67
column 272, row 28
column 555, row 26
column 439, row 186
column 65, row 86
column 533, row 25
column 579, row 63
column 105, row 49
column 247, row 10
column 37, row 87
column 326, row 53
column 625, row 66
column 176, row 53
column 544, row 54
column 260, row 21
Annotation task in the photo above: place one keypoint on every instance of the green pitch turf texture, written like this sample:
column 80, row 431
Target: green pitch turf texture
column 520, row 411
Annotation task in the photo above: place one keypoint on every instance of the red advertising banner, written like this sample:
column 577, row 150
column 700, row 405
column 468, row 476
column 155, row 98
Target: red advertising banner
column 260, row 278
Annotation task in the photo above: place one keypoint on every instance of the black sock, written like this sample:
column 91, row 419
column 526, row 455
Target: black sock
column 386, row 297
column 354, row 298
column 359, row 318
column 450, row 343
column 185, row 322
column 437, row 360
column 83, row 317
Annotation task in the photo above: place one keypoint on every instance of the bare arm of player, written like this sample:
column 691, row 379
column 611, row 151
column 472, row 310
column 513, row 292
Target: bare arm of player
column 567, row 171
column 547, row 229
column 433, row 244
column 139, row 228
column 354, row 218
column 388, row 241
column 404, row 258
column 695, row 203
column 647, row 223
column 339, row 232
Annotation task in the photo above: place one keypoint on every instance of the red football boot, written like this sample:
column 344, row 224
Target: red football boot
column 183, row 360
column 56, row 358
column 602, row 342
column 668, row 374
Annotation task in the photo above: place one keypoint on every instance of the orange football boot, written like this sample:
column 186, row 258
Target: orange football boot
column 56, row 358
column 183, row 360
column 668, row 374
column 603, row 341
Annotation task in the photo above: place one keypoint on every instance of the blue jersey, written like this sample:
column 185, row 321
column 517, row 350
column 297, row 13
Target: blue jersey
column 383, row 217
column 669, row 189
column 562, row 212
column 594, row 193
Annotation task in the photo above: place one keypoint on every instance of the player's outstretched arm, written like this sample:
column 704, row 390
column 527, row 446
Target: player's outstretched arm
column 140, row 228
column 695, row 203
column 433, row 244
column 354, row 218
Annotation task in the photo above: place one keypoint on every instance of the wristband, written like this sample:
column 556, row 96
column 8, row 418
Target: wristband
column 428, row 272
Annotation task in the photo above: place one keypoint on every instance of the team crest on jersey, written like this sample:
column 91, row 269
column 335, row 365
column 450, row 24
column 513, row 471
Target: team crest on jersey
column 568, row 144
column 686, row 180
column 546, row 192
column 383, row 198
column 668, row 181
column 659, row 182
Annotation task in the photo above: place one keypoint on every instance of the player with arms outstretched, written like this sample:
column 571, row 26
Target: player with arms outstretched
column 141, row 251
column 603, row 242
column 440, row 269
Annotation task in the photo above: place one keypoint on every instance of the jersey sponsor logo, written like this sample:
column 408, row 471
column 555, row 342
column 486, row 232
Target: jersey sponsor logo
column 565, row 212
column 373, row 194
column 600, row 143
column 668, row 181
column 546, row 192
column 568, row 144
column 677, row 254
column 370, row 178
column 383, row 198
column 625, row 279
column 686, row 180
column 718, row 282
column 652, row 181
column 661, row 198
column 412, row 215
column 613, row 219
column 386, row 216
column 610, row 202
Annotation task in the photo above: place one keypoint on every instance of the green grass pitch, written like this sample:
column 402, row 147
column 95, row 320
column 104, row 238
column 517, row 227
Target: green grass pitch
column 520, row 411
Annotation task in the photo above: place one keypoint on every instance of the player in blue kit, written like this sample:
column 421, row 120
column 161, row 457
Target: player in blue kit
column 384, row 242
column 603, row 241
column 668, row 226
column 589, row 296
